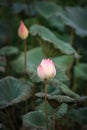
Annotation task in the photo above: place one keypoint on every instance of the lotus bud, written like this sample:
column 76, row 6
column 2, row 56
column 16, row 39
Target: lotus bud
column 23, row 31
column 46, row 69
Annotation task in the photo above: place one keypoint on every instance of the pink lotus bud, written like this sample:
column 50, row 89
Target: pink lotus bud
column 22, row 31
column 46, row 69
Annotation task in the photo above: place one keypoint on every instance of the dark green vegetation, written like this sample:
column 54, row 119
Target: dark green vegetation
column 57, row 30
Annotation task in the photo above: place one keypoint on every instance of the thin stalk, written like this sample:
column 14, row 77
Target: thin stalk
column 75, row 78
column 25, row 71
column 69, row 73
column 25, row 61
column 46, row 107
column 53, row 114
column 71, row 36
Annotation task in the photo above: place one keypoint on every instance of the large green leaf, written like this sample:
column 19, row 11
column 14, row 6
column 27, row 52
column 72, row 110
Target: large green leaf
column 34, row 57
column 41, row 107
column 65, row 61
column 36, row 119
column 26, row 9
column 9, row 51
column 79, row 115
column 76, row 18
column 61, row 99
column 56, row 22
column 81, row 71
column 67, row 91
column 60, row 74
column 52, row 90
column 50, row 37
column 46, row 9
column 61, row 111
column 13, row 91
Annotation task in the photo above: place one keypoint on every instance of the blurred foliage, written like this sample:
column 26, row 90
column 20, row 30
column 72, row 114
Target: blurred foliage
column 57, row 30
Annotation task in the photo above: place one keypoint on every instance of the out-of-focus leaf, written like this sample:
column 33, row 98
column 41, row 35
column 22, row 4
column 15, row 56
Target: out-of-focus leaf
column 56, row 22
column 18, row 7
column 61, row 111
column 67, row 91
column 36, row 119
column 64, row 61
column 81, row 71
column 60, row 74
column 41, row 107
column 9, row 51
column 46, row 9
column 50, row 37
column 34, row 57
column 41, row 95
column 52, row 90
column 61, row 98
column 2, row 63
column 3, row 3
column 27, row 9
column 79, row 115
column 65, row 37
column 76, row 18
column 13, row 91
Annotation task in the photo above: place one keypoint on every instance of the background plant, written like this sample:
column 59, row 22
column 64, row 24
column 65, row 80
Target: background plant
column 57, row 30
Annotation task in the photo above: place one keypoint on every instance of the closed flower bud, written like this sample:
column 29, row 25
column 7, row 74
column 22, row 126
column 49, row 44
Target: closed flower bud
column 46, row 69
column 22, row 31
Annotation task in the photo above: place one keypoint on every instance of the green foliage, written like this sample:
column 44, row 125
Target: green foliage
column 13, row 91
column 58, row 32
column 74, row 17
column 79, row 115
column 61, row 111
column 68, row 91
column 65, row 61
column 36, row 119
column 47, row 35
column 41, row 107
column 9, row 51
column 81, row 71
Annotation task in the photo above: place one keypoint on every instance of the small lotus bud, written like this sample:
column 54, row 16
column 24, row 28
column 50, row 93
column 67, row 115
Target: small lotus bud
column 23, row 31
column 46, row 69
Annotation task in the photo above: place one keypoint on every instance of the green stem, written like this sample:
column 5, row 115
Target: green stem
column 53, row 113
column 69, row 72
column 25, row 60
column 25, row 71
column 46, row 107
column 71, row 36
column 75, row 78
